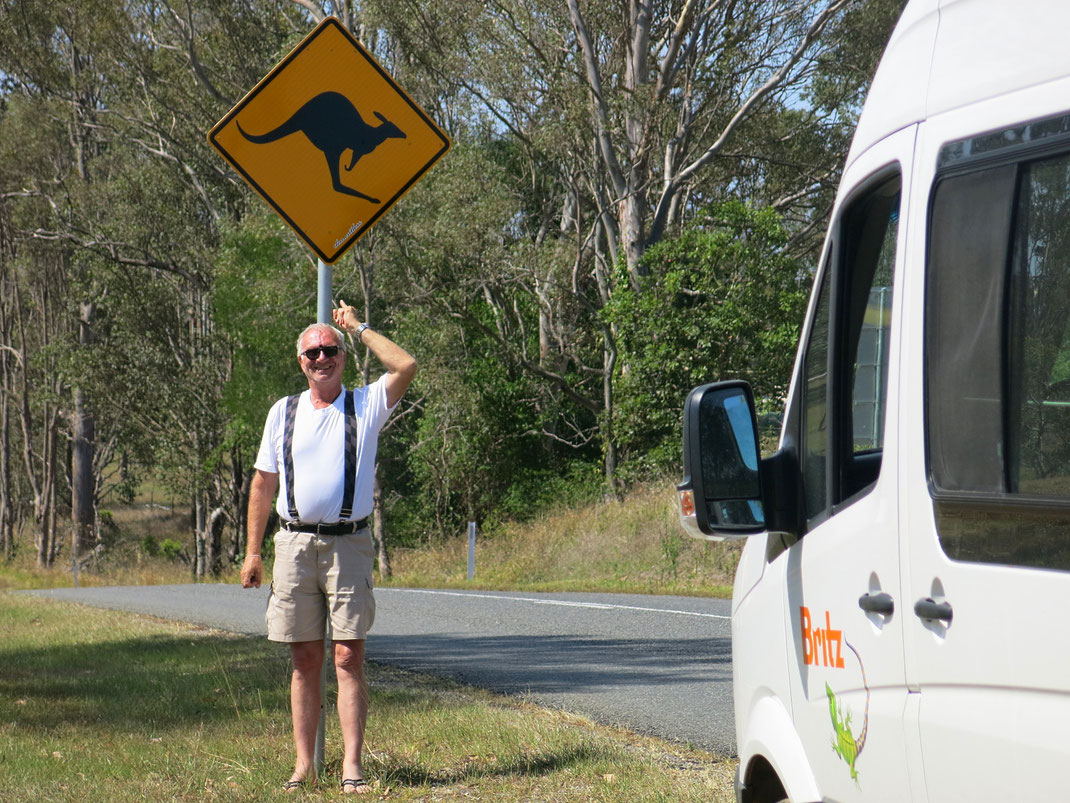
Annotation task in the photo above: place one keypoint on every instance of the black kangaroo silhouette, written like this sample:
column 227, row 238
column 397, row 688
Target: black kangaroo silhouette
column 333, row 124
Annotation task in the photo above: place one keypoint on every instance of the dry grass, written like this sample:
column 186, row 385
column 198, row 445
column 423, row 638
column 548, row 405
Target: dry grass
column 635, row 545
column 133, row 553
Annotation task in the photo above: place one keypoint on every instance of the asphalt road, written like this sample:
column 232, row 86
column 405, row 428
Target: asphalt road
column 656, row 665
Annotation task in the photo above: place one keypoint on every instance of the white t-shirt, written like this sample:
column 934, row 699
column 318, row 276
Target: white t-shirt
column 319, row 453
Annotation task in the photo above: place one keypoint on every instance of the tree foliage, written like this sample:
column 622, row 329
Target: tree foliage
column 722, row 300
column 631, row 204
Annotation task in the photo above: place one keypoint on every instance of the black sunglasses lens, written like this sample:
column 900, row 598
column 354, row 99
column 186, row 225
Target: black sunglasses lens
column 328, row 352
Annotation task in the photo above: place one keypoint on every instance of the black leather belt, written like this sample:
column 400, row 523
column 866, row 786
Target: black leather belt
column 338, row 528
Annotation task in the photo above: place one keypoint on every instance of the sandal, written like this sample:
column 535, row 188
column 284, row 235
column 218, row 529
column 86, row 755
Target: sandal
column 355, row 784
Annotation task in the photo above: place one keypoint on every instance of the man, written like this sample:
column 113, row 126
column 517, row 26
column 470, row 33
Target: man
column 324, row 553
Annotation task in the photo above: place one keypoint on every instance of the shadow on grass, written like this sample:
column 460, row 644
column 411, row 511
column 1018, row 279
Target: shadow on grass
column 392, row 772
column 161, row 682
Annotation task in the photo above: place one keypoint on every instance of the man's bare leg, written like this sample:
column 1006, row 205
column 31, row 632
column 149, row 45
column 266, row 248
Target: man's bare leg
column 352, row 709
column 305, row 704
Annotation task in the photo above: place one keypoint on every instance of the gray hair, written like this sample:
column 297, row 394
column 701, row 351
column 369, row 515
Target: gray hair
column 339, row 338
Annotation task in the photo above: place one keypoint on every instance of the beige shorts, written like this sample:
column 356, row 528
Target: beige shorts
column 317, row 574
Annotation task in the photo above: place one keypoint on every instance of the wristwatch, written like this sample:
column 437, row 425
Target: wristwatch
column 359, row 334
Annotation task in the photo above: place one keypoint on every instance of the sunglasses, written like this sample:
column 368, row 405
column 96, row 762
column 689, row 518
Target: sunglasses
column 314, row 354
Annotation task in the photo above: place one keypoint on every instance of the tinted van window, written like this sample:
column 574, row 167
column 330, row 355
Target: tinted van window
column 1039, row 460
column 998, row 362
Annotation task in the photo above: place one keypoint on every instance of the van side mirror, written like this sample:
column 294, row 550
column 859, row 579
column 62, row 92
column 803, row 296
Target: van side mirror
column 721, row 492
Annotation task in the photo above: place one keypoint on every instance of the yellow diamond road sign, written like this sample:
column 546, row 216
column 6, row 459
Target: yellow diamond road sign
column 329, row 140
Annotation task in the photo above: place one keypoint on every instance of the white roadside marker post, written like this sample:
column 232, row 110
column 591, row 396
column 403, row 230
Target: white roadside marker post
column 471, row 550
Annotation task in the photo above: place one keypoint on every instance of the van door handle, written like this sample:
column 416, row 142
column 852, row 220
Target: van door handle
column 929, row 608
column 877, row 603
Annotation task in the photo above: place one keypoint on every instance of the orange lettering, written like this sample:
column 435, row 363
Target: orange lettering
column 836, row 636
column 807, row 639
column 820, row 645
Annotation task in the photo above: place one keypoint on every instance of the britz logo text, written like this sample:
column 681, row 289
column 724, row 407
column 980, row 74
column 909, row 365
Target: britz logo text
column 821, row 646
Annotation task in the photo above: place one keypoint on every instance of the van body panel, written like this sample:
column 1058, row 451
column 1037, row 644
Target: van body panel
column 749, row 570
column 897, row 95
column 772, row 737
column 760, row 686
column 989, row 48
column 985, row 743
column 994, row 712
column 946, row 54
column 915, row 765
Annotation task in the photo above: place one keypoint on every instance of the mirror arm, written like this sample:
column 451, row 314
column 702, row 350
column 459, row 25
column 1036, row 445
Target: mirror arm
column 780, row 489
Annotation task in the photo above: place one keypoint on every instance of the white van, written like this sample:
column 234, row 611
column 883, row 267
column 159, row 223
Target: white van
column 900, row 615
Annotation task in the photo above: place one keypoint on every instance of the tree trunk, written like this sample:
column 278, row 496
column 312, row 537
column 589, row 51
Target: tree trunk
column 82, row 444
column 7, row 528
column 243, row 481
column 25, row 415
column 213, row 538
column 7, row 367
column 636, row 74
column 52, row 535
column 43, row 542
column 199, row 518
column 609, row 444
column 631, row 231
column 81, row 476
column 377, row 528
column 46, row 509
column 366, row 270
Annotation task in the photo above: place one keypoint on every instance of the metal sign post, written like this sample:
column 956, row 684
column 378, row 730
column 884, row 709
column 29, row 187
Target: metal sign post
column 325, row 281
column 320, row 751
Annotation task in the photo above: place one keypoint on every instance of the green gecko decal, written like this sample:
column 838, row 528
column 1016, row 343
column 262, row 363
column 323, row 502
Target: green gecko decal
column 845, row 744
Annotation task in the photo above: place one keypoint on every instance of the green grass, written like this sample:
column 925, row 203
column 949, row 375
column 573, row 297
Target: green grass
column 104, row 706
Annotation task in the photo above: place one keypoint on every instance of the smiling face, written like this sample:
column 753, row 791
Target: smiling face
column 325, row 373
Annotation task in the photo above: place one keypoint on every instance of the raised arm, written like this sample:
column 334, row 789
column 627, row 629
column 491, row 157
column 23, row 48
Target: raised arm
column 400, row 365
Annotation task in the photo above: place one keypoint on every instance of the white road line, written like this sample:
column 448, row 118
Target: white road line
column 564, row 603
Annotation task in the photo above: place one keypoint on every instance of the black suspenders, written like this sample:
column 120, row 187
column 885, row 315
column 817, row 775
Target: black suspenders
column 350, row 456
column 288, row 455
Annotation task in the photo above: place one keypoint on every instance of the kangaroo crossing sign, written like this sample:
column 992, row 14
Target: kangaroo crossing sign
column 329, row 140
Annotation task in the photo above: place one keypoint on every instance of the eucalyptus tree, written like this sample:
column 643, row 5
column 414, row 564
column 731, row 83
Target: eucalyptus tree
column 586, row 132
column 193, row 62
column 137, row 207
column 61, row 71
column 723, row 299
column 625, row 119
column 36, row 328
